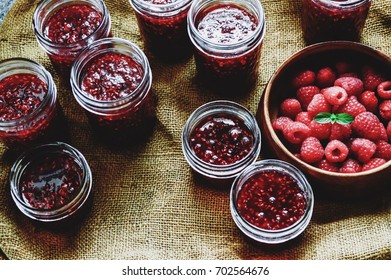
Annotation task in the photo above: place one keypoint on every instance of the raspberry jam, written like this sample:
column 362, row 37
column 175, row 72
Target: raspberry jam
column 111, row 80
column 227, row 36
column 64, row 27
column 328, row 20
column 29, row 110
column 220, row 139
column 51, row 183
column 163, row 25
column 271, row 201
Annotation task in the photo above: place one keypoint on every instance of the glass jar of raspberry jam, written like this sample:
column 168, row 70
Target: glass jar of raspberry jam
column 220, row 139
column 163, row 25
column 51, row 184
column 227, row 36
column 111, row 79
column 29, row 109
column 330, row 20
column 64, row 27
column 271, row 201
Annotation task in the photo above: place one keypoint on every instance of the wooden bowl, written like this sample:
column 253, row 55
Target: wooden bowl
column 278, row 88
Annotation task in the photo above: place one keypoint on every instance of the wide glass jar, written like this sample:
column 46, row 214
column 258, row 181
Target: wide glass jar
column 29, row 109
column 64, row 27
column 220, row 139
column 163, row 25
column 329, row 20
column 52, row 184
column 227, row 36
column 111, row 79
column 271, row 201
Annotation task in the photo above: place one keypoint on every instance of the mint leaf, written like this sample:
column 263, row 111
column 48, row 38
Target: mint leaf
column 324, row 117
column 344, row 118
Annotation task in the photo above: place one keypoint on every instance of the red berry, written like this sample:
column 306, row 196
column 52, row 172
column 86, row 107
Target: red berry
column 290, row 107
column 384, row 90
column 349, row 74
column 325, row 77
column 383, row 150
column 324, row 164
column 350, row 166
column 304, row 78
column 280, row 123
column 311, row 150
column 367, row 125
column 385, row 110
column 303, row 117
column 363, row 149
column 389, row 130
column 353, row 86
column 340, row 131
column 351, row 107
column 369, row 100
column 320, row 130
column 296, row 132
column 305, row 95
column 343, row 67
column 336, row 151
column 371, row 78
column 318, row 105
column 373, row 163
column 383, row 133
column 335, row 95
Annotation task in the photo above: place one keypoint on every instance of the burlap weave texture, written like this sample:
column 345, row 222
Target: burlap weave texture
column 147, row 205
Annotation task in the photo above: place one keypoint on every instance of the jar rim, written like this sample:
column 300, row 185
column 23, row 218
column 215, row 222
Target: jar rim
column 342, row 3
column 157, row 9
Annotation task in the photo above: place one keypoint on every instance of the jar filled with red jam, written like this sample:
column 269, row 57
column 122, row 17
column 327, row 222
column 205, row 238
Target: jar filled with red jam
column 111, row 79
column 220, row 139
column 29, row 109
column 329, row 20
column 163, row 25
column 227, row 36
column 64, row 27
column 271, row 201
column 51, row 184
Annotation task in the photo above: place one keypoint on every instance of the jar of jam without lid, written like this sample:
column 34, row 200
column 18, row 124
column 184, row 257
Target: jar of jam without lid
column 29, row 110
column 64, row 27
column 227, row 36
column 111, row 79
column 163, row 25
column 271, row 201
column 330, row 20
column 220, row 139
column 51, row 184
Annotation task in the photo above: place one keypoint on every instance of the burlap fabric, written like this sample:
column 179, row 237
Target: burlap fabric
column 147, row 205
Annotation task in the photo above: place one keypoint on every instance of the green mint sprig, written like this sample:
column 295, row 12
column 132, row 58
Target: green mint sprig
column 326, row 117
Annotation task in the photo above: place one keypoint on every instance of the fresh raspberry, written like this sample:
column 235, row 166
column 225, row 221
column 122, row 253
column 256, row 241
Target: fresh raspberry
column 350, row 166
column 296, row 132
column 371, row 78
column 351, row 107
column 340, row 131
column 280, row 123
column 335, row 95
column 363, row 149
column 343, row 67
column 369, row 100
column 373, row 163
column 336, row 151
column 383, row 150
column 388, row 129
column 320, row 130
column 303, row 117
column 290, row 107
column 318, row 105
column 367, row 125
column 349, row 74
column 353, row 86
column 305, row 95
column 324, row 164
column 311, row 150
column 325, row 77
column 384, row 90
column 383, row 133
column 385, row 110
column 304, row 78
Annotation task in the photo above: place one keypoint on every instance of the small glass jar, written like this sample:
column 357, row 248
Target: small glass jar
column 227, row 36
column 29, row 109
column 220, row 139
column 51, row 184
column 330, row 20
column 111, row 79
column 163, row 25
column 271, row 201
column 64, row 27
